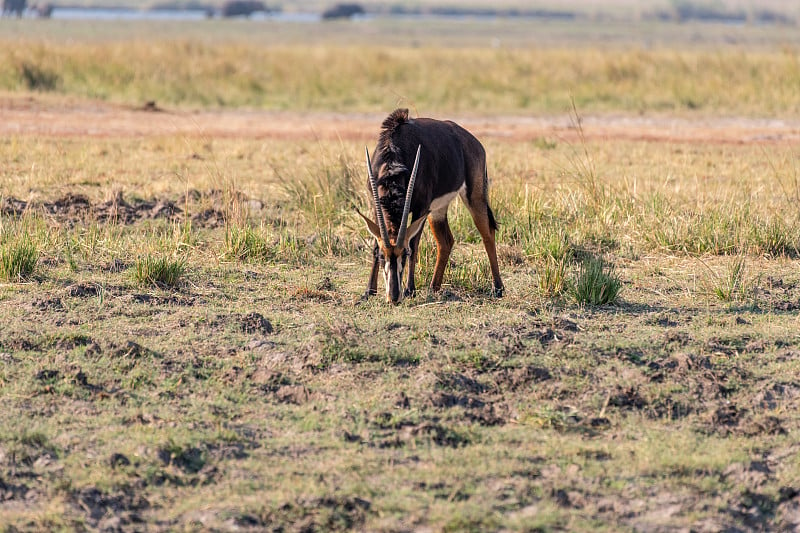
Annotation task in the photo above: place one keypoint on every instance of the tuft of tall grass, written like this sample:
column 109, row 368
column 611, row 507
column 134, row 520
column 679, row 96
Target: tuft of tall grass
column 160, row 271
column 245, row 244
column 18, row 258
column 595, row 284
column 732, row 284
column 552, row 276
column 323, row 194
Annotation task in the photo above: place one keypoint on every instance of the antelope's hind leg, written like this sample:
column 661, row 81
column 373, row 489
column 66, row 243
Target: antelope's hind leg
column 444, row 244
column 487, row 226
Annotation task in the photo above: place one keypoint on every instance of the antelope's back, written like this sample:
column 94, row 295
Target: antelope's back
column 451, row 156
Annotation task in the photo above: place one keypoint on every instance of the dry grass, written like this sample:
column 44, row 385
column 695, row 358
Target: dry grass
column 191, row 74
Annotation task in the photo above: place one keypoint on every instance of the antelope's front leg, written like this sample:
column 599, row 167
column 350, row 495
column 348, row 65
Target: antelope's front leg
column 411, row 287
column 372, row 282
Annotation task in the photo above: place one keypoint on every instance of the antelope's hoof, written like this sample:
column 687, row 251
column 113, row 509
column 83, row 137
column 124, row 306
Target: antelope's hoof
column 366, row 295
column 498, row 292
column 409, row 293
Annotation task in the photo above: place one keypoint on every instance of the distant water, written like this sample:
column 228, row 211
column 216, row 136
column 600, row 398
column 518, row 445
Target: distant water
column 85, row 13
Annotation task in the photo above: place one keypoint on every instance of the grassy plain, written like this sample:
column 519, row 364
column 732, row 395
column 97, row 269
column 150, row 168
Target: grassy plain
column 251, row 388
column 229, row 68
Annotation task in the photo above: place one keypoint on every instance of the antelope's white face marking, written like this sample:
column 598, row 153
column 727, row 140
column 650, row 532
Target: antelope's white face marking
column 393, row 277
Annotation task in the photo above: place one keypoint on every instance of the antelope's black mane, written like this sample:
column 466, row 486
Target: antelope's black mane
column 395, row 174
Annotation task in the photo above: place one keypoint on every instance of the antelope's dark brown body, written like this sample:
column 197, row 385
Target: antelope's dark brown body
column 451, row 162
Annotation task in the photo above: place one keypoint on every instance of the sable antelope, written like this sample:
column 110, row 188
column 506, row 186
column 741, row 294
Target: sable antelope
column 421, row 165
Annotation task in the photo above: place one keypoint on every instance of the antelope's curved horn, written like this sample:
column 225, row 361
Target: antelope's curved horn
column 401, row 235
column 378, row 211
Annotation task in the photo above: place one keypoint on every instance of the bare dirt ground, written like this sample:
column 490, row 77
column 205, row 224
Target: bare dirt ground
column 34, row 116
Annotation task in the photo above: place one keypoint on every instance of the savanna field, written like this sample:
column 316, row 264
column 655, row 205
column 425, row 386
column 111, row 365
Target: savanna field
column 183, row 342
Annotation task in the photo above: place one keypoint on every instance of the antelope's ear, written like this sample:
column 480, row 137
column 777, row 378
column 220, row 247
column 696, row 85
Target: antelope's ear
column 371, row 226
column 414, row 229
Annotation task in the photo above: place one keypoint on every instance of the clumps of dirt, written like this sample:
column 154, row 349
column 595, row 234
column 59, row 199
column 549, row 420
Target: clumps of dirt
column 206, row 209
column 444, row 491
column 513, row 379
column 110, row 511
column 294, row 394
column 20, row 344
column 169, row 300
column 15, row 491
column 626, row 398
column 446, row 400
column 485, row 413
column 47, row 304
column 788, row 509
column 396, row 430
column 725, row 417
column 190, row 459
column 118, row 460
column 255, row 323
column 47, row 376
column 775, row 395
column 519, row 339
column 281, row 387
column 315, row 294
column 778, row 294
column 82, row 380
column 756, row 507
column 84, row 290
column 708, row 376
column 481, row 403
column 151, row 107
column 455, row 381
column 69, row 342
column 128, row 350
column 223, row 451
column 730, row 419
column 327, row 513
column 30, row 457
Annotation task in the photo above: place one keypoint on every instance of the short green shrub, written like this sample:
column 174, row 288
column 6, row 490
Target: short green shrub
column 18, row 258
column 594, row 284
column 159, row 271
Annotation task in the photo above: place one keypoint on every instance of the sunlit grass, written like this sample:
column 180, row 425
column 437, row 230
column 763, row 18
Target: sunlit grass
column 18, row 258
column 158, row 270
column 366, row 78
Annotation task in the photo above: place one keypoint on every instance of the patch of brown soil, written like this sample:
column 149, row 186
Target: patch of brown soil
column 32, row 116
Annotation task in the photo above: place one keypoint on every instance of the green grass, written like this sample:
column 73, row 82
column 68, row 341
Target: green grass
column 18, row 258
column 244, row 244
column 158, row 271
column 733, row 283
column 595, row 283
